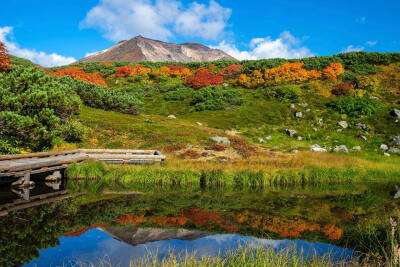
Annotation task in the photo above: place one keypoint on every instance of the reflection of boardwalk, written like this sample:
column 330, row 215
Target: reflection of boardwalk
column 37, row 200
column 23, row 165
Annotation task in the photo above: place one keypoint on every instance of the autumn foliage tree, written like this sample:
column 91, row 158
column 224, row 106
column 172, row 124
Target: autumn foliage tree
column 290, row 73
column 333, row 70
column 132, row 71
column 5, row 61
column 203, row 78
column 231, row 71
column 78, row 74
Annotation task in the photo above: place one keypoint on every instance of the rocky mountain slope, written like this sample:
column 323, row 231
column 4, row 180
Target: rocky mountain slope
column 136, row 236
column 144, row 49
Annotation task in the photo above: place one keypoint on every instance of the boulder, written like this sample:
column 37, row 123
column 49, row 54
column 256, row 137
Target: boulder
column 341, row 148
column 290, row 132
column 295, row 151
column 269, row 138
column 394, row 150
column 361, row 126
column 343, row 124
column 357, row 148
column 315, row 129
column 299, row 114
column 386, row 154
column 220, row 140
column 396, row 113
column 362, row 137
column 292, row 106
column 172, row 117
column 199, row 123
column 261, row 140
column 317, row 148
column 308, row 110
column 396, row 140
column 299, row 138
column 384, row 147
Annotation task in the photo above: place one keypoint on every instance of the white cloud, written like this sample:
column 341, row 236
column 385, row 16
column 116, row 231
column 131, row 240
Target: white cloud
column 41, row 58
column 371, row 43
column 286, row 46
column 121, row 19
column 352, row 48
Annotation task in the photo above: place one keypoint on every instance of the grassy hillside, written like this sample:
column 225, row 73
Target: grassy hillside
column 251, row 103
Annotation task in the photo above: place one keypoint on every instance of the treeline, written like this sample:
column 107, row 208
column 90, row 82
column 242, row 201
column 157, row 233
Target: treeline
column 359, row 62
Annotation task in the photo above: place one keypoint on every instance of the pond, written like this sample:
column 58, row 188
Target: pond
column 50, row 226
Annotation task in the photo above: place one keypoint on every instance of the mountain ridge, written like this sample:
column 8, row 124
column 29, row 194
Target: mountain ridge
column 141, row 48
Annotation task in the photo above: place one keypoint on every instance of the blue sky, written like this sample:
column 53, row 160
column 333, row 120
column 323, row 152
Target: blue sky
column 59, row 32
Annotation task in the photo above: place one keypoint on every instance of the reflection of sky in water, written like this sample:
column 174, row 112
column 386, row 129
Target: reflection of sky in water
column 94, row 245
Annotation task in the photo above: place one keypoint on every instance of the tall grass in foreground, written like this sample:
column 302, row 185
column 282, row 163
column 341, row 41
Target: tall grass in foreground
column 250, row 256
column 95, row 176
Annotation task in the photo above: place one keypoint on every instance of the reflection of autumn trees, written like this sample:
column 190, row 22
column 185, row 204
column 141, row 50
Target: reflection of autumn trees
column 84, row 230
column 285, row 227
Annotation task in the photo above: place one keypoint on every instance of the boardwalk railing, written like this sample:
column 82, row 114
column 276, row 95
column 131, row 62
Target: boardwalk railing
column 33, row 163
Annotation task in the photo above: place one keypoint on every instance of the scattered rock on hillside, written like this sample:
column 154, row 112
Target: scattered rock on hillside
column 364, row 138
column 261, row 140
column 361, row 126
column 220, row 140
column 299, row 114
column 386, row 154
column 396, row 140
column 357, row 148
column 317, row 148
column 384, row 147
column 269, row 138
column 172, row 116
column 292, row 106
column 396, row 113
column 394, row 150
column 290, row 132
column 341, row 148
column 343, row 124
column 320, row 121
column 303, row 104
column 295, row 151
column 315, row 129
column 199, row 123
column 308, row 110
column 299, row 138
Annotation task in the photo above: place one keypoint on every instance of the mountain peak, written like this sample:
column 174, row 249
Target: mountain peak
column 141, row 48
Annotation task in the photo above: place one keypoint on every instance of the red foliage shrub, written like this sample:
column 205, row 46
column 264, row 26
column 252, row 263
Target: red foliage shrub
column 5, row 61
column 191, row 154
column 343, row 89
column 78, row 74
column 242, row 147
column 216, row 147
column 203, row 78
column 231, row 72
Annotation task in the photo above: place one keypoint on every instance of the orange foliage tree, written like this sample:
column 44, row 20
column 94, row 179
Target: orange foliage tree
column 178, row 71
column 203, row 78
column 290, row 73
column 333, row 70
column 5, row 61
column 78, row 74
column 132, row 71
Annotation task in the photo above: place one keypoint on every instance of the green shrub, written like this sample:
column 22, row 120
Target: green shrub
column 356, row 107
column 214, row 98
column 72, row 131
column 32, row 106
column 284, row 93
column 170, row 85
column 180, row 93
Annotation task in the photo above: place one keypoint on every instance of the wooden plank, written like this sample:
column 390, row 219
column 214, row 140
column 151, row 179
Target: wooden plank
column 117, row 151
column 39, row 155
column 124, row 156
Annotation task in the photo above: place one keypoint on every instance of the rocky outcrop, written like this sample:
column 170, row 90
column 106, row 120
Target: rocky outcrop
column 144, row 49
column 135, row 236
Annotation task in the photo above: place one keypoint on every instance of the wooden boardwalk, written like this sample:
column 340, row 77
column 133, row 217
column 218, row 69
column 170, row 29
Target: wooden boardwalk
column 24, row 165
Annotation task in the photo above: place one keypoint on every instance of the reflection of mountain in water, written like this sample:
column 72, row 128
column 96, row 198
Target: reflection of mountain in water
column 135, row 236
